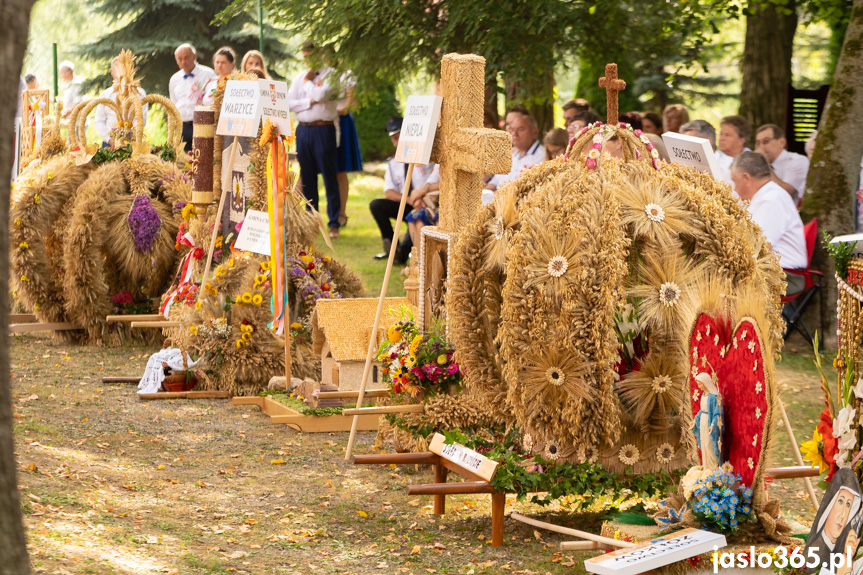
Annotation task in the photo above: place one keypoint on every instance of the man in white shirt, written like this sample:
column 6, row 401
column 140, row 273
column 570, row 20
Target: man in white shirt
column 105, row 119
column 313, row 97
column 186, row 87
column 734, row 132
column 788, row 169
column 700, row 129
column 426, row 178
column 527, row 152
column 72, row 95
column 773, row 210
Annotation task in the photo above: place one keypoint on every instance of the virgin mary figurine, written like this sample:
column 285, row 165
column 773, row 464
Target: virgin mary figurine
column 707, row 425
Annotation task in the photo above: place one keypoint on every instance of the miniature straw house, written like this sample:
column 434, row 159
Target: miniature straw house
column 340, row 334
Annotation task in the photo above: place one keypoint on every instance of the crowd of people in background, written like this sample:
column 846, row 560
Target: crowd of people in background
column 327, row 144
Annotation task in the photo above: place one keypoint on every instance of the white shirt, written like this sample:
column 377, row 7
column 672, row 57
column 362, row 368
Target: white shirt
column 775, row 213
column 725, row 161
column 520, row 162
column 792, row 168
column 346, row 82
column 394, row 177
column 185, row 92
column 210, row 91
column 106, row 119
column 72, row 96
column 302, row 92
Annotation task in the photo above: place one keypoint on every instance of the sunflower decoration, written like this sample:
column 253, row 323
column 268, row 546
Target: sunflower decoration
column 551, row 257
column 500, row 226
column 654, row 393
column 652, row 210
column 549, row 381
column 664, row 289
column 586, row 453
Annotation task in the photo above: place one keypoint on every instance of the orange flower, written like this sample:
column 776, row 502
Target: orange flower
column 267, row 133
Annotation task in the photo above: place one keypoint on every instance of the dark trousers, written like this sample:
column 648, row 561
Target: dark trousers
column 316, row 154
column 383, row 210
column 187, row 136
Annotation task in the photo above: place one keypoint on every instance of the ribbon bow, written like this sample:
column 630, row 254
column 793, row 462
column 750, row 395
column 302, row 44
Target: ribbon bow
column 189, row 75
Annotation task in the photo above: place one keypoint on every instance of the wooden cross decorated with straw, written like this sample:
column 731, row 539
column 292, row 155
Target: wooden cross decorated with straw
column 612, row 85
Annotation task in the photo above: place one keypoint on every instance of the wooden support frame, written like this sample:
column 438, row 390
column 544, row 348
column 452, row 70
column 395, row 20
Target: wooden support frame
column 158, row 324
column 203, row 394
column 135, row 317
column 122, row 379
column 353, row 394
column 383, row 409
column 37, row 327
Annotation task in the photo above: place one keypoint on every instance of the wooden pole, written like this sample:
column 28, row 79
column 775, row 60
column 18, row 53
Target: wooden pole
column 218, row 218
column 373, row 336
column 796, row 450
column 498, row 507
column 567, row 531
column 286, row 314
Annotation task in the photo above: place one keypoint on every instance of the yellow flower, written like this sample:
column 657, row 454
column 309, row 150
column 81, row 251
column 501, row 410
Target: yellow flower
column 36, row 199
column 37, row 307
column 416, row 343
column 307, row 259
column 220, row 271
column 50, row 176
column 265, row 266
column 812, row 452
column 246, row 336
column 231, row 262
column 257, row 299
column 441, row 359
column 219, row 241
column 410, row 361
column 198, row 306
column 240, row 344
column 193, row 329
column 23, row 245
column 25, row 279
column 394, row 335
column 246, row 297
column 189, row 211
column 266, row 133
column 17, row 221
column 296, row 325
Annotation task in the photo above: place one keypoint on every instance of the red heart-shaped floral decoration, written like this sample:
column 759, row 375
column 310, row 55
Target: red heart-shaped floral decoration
column 737, row 358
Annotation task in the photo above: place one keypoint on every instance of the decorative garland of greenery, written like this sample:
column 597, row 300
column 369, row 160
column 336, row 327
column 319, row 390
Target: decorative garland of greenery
column 545, row 480
column 102, row 155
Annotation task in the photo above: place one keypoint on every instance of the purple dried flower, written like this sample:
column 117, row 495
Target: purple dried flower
column 144, row 223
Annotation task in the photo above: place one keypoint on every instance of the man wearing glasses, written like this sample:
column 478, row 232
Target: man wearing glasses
column 787, row 168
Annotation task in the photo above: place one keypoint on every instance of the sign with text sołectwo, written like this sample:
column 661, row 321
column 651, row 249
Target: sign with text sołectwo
column 241, row 111
column 255, row 233
column 468, row 459
column 693, row 152
column 418, row 129
column 274, row 105
column 655, row 553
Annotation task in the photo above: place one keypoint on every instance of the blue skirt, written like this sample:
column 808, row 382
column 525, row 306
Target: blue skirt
column 348, row 156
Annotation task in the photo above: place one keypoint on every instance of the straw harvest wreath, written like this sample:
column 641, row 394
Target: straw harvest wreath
column 228, row 323
column 92, row 223
column 576, row 297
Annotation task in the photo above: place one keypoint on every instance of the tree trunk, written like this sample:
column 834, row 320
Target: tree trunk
column 490, row 110
column 15, row 15
column 767, row 63
column 833, row 175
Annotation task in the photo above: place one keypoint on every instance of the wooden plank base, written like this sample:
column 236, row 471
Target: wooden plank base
column 186, row 395
column 21, row 317
column 280, row 413
column 121, row 379
column 37, row 327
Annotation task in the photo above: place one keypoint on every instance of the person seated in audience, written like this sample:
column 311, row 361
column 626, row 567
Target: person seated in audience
column 734, row 132
column 651, row 123
column 426, row 178
column 515, row 111
column 674, row 116
column 631, row 118
column 788, row 168
column 555, row 143
column 579, row 121
column 772, row 208
column 527, row 151
column 700, row 129
column 573, row 107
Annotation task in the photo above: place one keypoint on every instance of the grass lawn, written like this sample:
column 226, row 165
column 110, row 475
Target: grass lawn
column 361, row 239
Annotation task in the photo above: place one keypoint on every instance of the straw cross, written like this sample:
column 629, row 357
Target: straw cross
column 463, row 148
column 612, row 86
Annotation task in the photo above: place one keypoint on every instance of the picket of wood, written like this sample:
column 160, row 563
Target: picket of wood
column 202, row 394
column 280, row 413
column 37, row 327
column 135, row 317
column 353, row 394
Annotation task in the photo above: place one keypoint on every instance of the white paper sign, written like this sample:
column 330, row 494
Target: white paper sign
column 255, row 233
column 693, row 152
column 274, row 105
column 418, row 129
column 241, row 111
column 856, row 238
column 655, row 553
column 464, row 457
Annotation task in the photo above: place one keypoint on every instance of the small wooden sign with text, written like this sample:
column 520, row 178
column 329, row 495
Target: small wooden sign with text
column 418, row 129
column 469, row 459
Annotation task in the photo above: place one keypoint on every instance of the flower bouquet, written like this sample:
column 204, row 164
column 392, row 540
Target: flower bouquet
column 418, row 363
column 718, row 499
